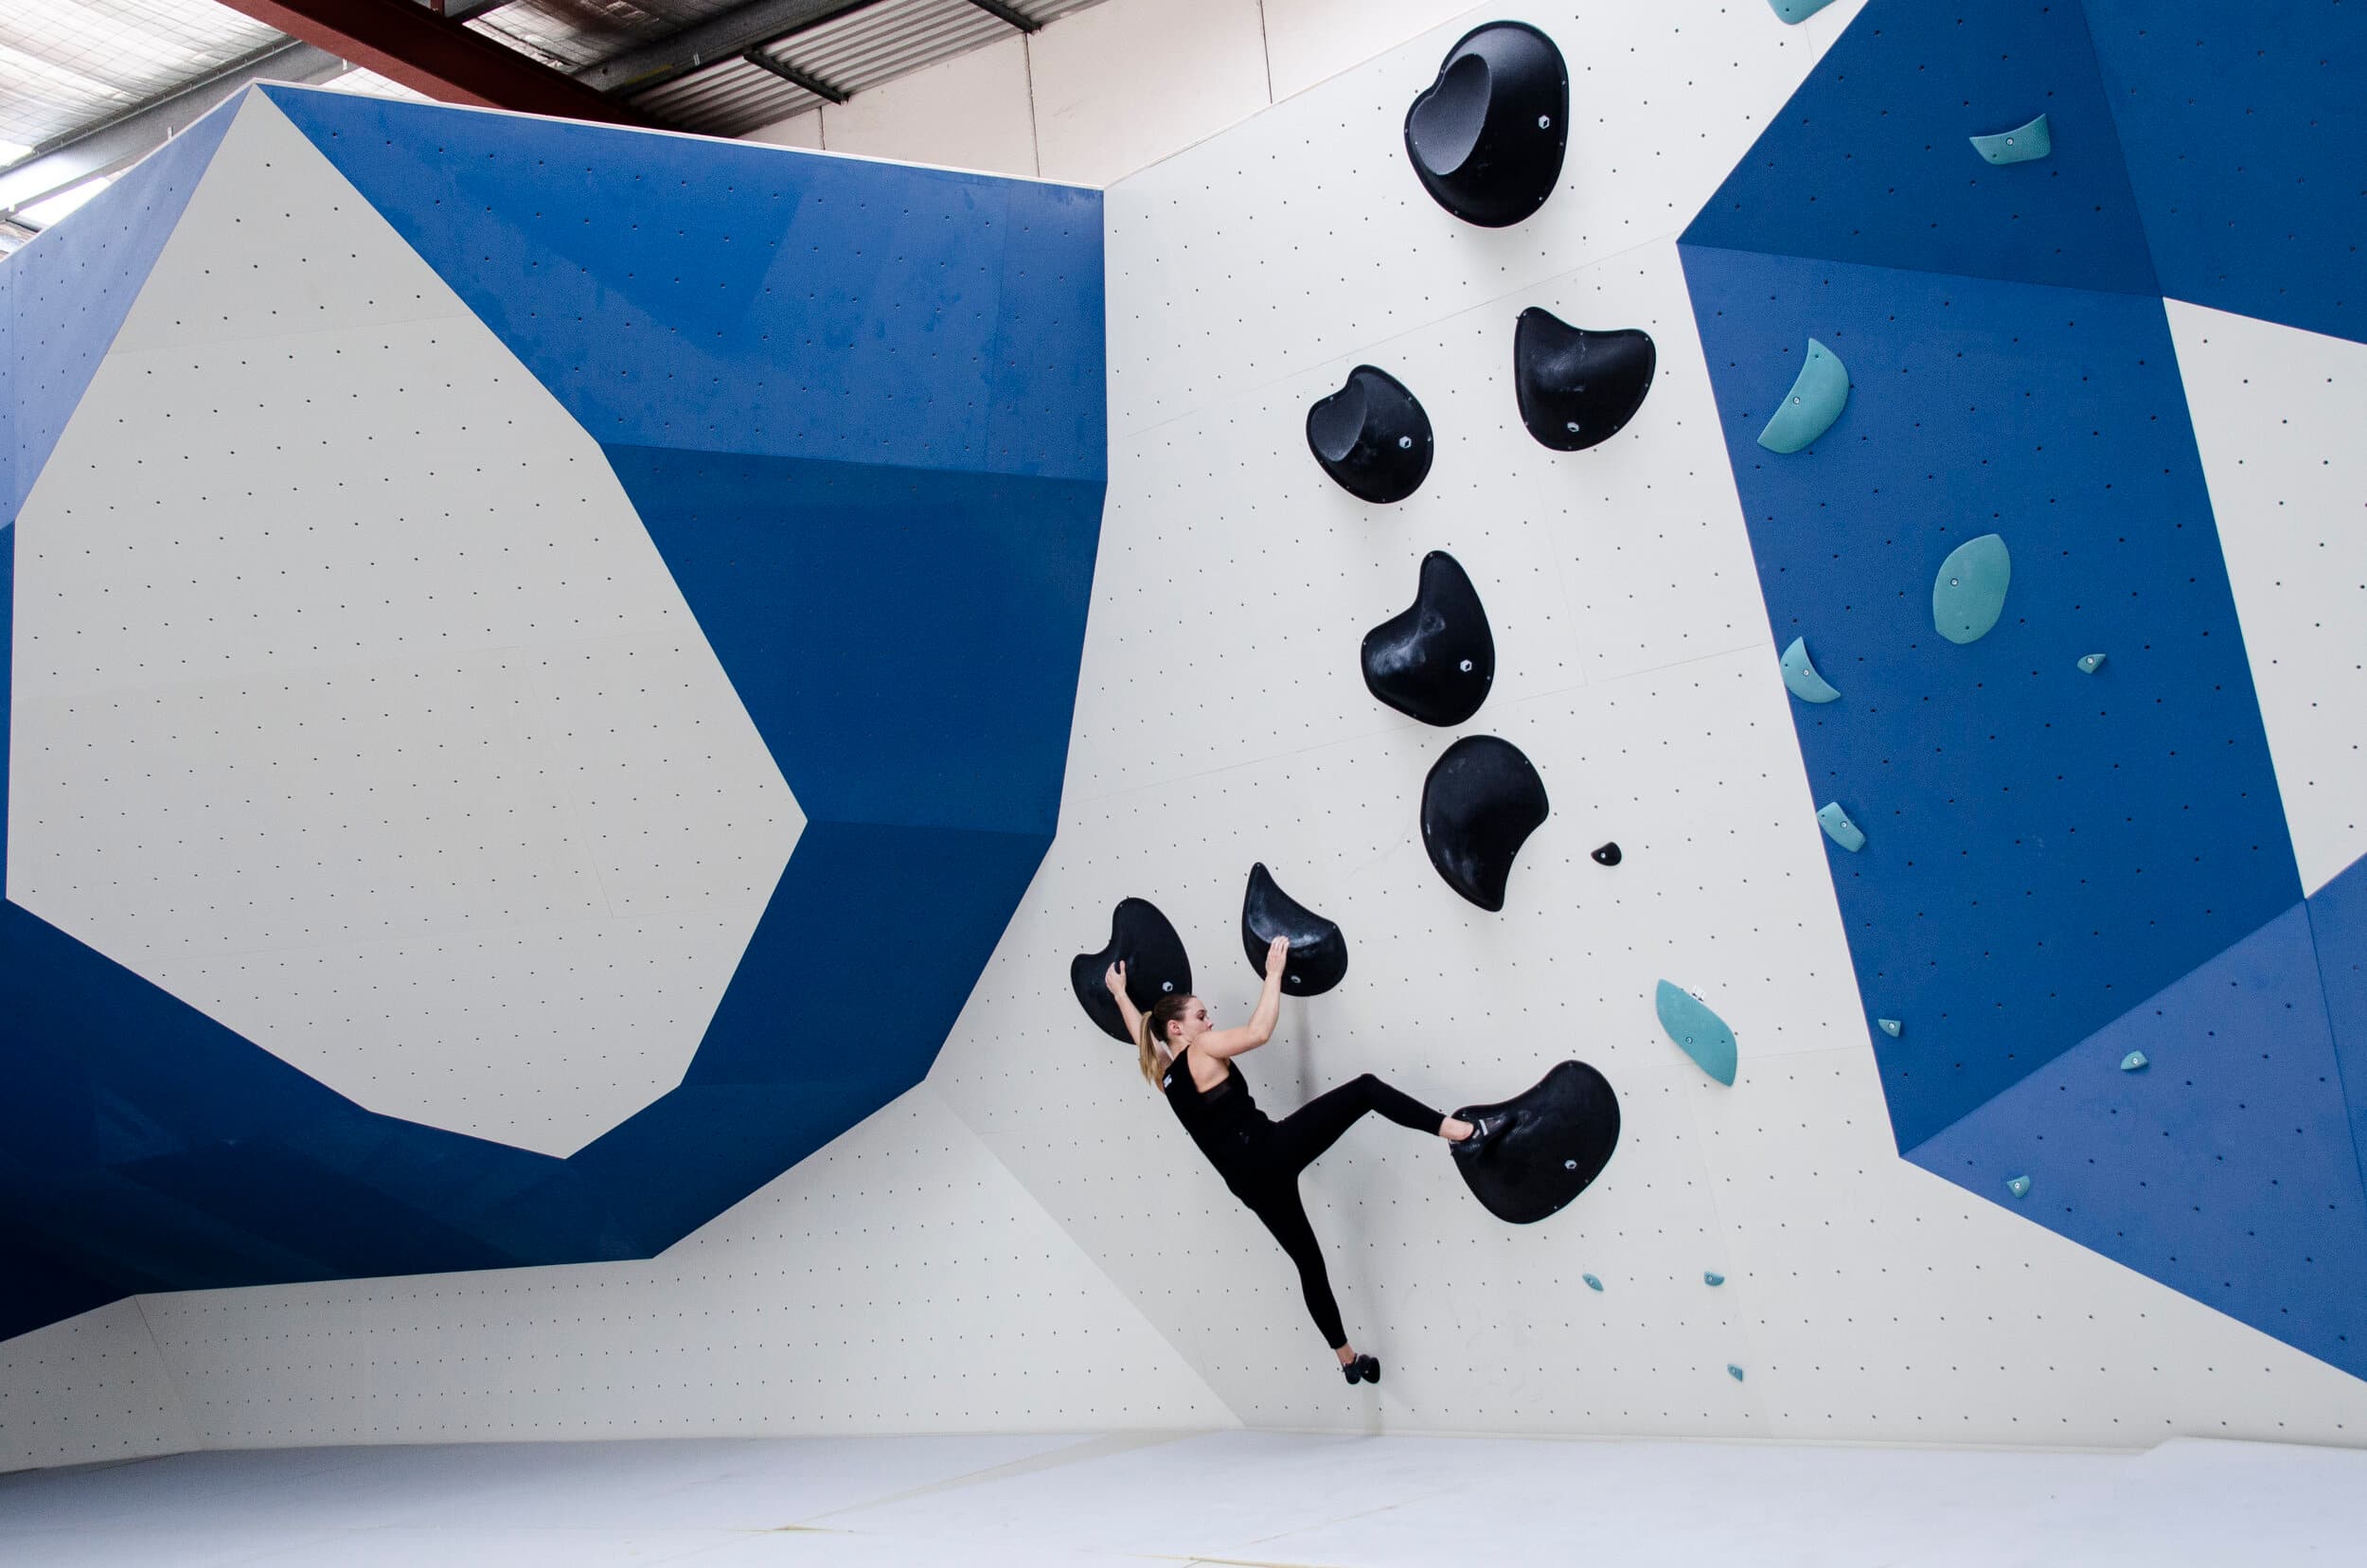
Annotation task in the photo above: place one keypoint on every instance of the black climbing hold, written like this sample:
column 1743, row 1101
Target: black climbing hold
column 1372, row 437
column 1319, row 955
column 1435, row 659
column 1578, row 387
column 1482, row 801
column 1607, row 855
column 1487, row 139
column 1556, row 1139
column 1156, row 965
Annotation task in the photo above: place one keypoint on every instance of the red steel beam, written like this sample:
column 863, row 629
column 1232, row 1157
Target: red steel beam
column 405, row 42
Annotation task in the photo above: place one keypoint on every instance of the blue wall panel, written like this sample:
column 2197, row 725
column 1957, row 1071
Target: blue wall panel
column 844, row 599
column 2224, row 1169
column 860, row 407
column 72, row 286
column 2245, row 129
column 2338, row 921
column 678, row 292
column 1870, row 161
column 855, row 976
column 2044, row 848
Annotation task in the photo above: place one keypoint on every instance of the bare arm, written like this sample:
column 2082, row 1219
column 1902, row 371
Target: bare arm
column 1115, row 980
column 1220, row 1044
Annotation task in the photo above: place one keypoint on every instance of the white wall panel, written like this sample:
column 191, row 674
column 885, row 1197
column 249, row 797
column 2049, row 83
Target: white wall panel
column 898, row 1280
column 1593, row 564
column 88, row 1388
column 1222, row 720
column 1121, row 84
column 1309, row 41
column 1250, row 256
column 972, row 111
column 354, row 704
column 1029, row 1240
column 797, row 131
column 2275, row 412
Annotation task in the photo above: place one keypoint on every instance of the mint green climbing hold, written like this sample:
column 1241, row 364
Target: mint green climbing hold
column 1796, row 11
column 2018, row 1186
column 1838, row 827
column 2091, row 662
column 1699, row 1032
column 1813, row 404
column 1713, row 1280
column 1888, row 1026
column 1591, row 1283
column 1969, row 594
column 1733, row 1371
column 2023, row 144
column 2134, row 1063
column 1800, row 676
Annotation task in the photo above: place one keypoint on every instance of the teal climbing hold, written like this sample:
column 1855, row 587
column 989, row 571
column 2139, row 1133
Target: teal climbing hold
column 2023, row 144
column 1838, row 827
column 2135, row 1061
column 1713, row 1280
column 1812, row 404
column 2018, row 1186
column 1969, row 594
column 1796, row 11
column 1733, row 1371
column 1889, row 1027
column 1800, row 676
column 1699, row 1032
column 1591, row 1283
column 2091, row 662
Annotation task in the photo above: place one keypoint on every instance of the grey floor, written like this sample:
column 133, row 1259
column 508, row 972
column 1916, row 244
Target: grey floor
column 1232, row 1497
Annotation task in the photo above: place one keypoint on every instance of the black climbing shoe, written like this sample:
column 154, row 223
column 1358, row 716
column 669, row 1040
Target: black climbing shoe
column 1367, row 1368
column 1484, row 1131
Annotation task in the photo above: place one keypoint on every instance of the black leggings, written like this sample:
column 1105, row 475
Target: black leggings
column 1269, row 1183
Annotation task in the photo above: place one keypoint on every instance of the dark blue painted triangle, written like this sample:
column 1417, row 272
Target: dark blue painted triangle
column 2224, row 1169
column 907, row 640
column 2244, row 130
column 2037, row 857
column 1870, row 161
column 685, row 293
column 2338, row 921
column 72, row 285
column 8, row 678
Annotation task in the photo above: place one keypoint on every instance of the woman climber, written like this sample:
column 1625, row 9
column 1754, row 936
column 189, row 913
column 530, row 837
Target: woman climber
column 1260, row 1159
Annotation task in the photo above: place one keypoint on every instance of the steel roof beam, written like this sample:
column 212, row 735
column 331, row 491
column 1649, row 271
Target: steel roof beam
column 407, row 43
column 794, row 77
column 1011, row 14
column 719, row 38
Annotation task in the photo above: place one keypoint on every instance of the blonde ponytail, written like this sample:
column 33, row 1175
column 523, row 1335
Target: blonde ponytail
column 1163, row 1012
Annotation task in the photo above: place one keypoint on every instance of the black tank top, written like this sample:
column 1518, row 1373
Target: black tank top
column 1223, row 1121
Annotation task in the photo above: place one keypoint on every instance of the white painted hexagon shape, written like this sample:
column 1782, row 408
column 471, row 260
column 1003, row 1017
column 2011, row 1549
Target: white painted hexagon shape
column 354, row 706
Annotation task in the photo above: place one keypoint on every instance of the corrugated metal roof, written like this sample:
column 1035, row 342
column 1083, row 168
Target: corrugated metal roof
column 568, row 35
column 853, row 53
column 66, row 66
column 69, row 67
column 727, row 99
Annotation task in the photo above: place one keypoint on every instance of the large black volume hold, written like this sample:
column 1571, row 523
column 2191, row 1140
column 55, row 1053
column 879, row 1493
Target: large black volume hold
column 1555, row 1140
column 1156, row 965
column 1487, row 137
column 1435, row 659
column 1372, row 437
column 1577, row 388
column 1319, row 955
column 1482, row 801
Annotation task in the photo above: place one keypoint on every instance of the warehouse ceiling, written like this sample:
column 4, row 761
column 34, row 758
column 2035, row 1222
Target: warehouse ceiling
column 88, row 87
